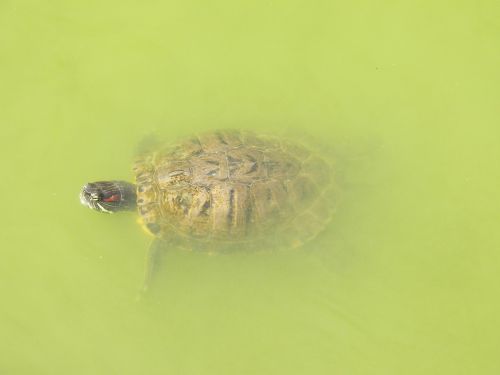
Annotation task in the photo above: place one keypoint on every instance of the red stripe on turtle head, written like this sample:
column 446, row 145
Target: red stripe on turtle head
column 113, row 198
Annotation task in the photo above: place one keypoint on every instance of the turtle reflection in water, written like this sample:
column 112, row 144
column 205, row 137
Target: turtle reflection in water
column 223, row 190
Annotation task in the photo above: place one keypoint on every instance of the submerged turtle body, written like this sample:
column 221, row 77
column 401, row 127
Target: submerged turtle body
column 231, row 188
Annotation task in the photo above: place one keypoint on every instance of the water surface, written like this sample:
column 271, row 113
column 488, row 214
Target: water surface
column 405, row 279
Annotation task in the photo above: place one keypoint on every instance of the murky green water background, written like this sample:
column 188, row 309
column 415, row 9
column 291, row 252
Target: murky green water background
column 405, row 280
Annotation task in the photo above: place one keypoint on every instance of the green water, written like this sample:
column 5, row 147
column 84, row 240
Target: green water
column 405, row 279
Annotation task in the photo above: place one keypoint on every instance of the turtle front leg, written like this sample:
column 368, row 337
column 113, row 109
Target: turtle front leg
column 153, row 260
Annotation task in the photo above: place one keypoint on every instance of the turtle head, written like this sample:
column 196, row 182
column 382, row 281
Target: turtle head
column 109, row 196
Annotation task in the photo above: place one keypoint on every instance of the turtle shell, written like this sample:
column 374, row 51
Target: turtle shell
column 233, row 187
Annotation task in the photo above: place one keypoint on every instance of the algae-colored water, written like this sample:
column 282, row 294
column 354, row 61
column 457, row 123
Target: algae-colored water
column 404, row 281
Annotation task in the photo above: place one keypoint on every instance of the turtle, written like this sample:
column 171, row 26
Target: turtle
column 221, row 191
